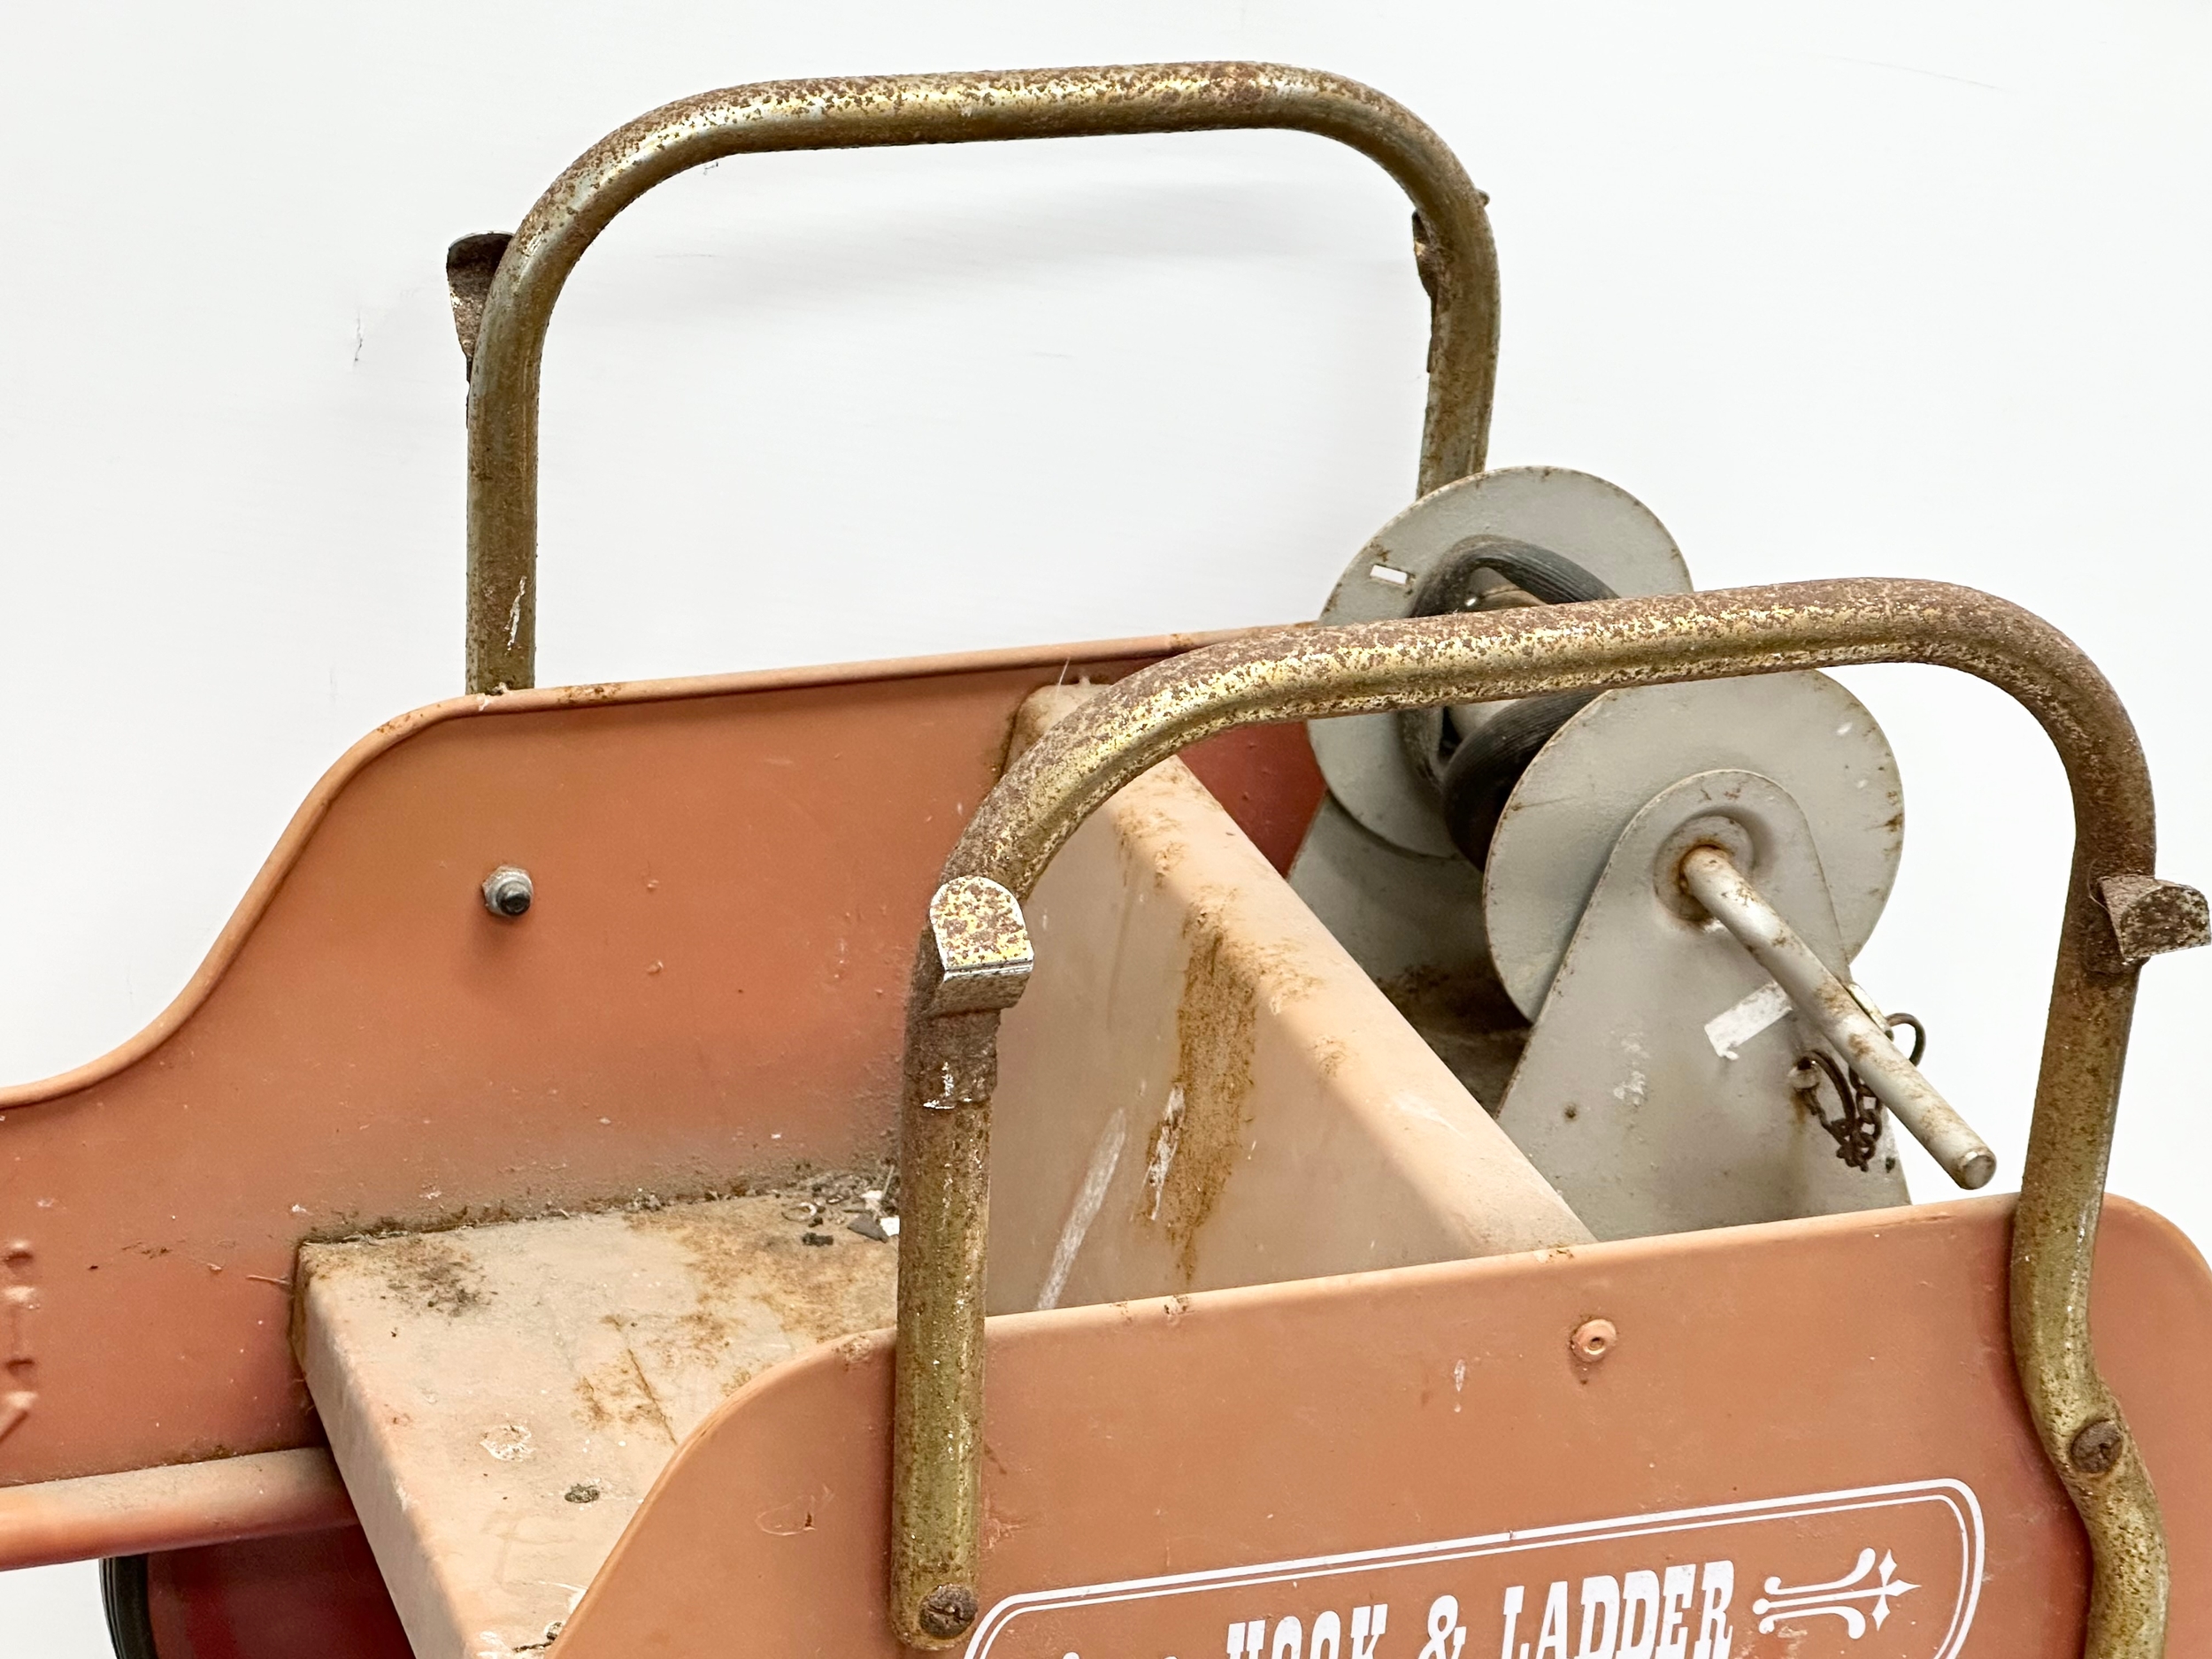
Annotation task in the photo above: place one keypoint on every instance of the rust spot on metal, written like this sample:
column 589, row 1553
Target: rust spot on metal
column 2096, row 1447
column 947, row 1611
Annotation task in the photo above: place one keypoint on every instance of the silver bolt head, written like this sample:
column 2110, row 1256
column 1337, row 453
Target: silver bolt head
column 508, row 892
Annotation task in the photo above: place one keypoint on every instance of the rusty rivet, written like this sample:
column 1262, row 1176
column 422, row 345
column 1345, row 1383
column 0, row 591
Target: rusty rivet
column 948, row 1609
column 2096, row 1447
column 1593, row 1340
column 508, row 892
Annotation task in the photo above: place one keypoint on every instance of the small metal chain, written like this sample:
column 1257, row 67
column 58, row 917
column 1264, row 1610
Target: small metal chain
column 1857, row 1129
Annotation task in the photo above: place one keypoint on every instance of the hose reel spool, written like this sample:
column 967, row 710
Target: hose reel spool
column 1476, row 756
column 1534, row 794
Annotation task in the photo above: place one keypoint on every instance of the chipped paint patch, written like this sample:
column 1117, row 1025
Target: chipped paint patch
column 1729, row 1029
column 1105, row 1158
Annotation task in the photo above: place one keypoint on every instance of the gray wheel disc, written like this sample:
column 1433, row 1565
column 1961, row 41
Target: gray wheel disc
column 1802, row 730
column 1599, row 526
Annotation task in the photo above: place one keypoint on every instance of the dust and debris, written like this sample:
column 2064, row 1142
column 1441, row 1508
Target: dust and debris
column 859, row 1350
column 818, row 1283
column 1151, row 835
column 874, row 1223
column 862, row 1199
column 1165, row 1137
column 432, row 1272
column 1195, row 1145
column 820, row 1290
column 797, row 1178
column 619, row 1394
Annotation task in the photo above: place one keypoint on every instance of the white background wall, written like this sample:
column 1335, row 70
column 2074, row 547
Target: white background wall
column 1891, row 288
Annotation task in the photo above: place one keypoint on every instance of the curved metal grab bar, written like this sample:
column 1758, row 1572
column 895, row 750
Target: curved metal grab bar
column 1457, row 261
column 2115, row 915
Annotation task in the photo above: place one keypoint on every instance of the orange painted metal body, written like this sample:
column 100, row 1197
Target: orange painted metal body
column 709, row 992
column 1231, row 1429
column 730, row 874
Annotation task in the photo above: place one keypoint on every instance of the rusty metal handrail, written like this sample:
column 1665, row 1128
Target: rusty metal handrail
column 2112, row 921
column 506, row 339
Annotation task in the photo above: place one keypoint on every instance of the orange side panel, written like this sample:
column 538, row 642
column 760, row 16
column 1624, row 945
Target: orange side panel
column 1266, row 776
column 1785, row 1406
column 730, row 878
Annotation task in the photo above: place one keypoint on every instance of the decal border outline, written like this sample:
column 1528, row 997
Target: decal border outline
column 1954, row 1495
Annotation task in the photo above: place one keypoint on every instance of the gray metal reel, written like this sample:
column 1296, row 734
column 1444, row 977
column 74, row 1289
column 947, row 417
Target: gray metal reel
column 1802, row 730
column 1599, row 526
column 1654, row 1094
column 1415, row 924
